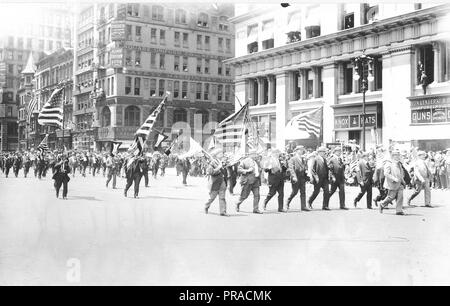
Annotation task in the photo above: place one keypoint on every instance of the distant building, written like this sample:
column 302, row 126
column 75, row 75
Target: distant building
column 29, row 27
column 128, row 55
column 291, row 60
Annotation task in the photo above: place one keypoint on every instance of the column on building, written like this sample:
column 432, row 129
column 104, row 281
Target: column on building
column 282, row 97
column 437, row 62
column 316, row 81
column 396, row 106
column 330, row 77
column 303, row 84
column 272, row 88
column 260, row 81
column 242, row 89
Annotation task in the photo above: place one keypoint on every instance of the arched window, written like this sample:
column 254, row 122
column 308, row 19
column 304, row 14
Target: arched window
column 132, row 116
column 106, row 116
column 205, row 116
column 222, row 116
column 179, row 115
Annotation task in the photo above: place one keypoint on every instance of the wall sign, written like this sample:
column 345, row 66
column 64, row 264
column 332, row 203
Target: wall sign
column 354, row 121
column 432, row 109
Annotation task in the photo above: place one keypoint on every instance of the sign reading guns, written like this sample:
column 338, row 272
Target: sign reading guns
column 430, row 116
column 354, row 121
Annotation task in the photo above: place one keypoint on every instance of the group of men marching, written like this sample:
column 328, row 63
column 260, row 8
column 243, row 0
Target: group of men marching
column 326, row 170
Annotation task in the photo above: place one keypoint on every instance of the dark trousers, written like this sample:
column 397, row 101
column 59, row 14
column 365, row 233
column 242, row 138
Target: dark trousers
column 382, row 194
column 64, row 184
column 366, row 188
column 185, row 174
column 324, row 185
column 296, row 187
column 273, row 189
column 94, row 169
column 7, row 171
column 233, row 182
column 137, row 180
column 146, row 178
column 245, row 192
column 341, row 185
column 26, row 169
column 155, row 171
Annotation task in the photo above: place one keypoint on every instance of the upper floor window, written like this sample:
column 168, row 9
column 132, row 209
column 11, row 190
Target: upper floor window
column 425, row 65
column 372, row 13
column 158, row 13
column 128, row 84
column 133, row 10
column 349, row 21
column 202, row 20
column 180, row 16
column 132, row 116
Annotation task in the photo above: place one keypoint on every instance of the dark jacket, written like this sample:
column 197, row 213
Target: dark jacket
column 297, row 168
column 319, row 170
column 337, row 169
column 62, row 170
column 365, row 173
column 216, row 177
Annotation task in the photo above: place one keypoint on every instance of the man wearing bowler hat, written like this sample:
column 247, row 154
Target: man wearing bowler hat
column 319, row 178
column 297, row 169
column 337, row 174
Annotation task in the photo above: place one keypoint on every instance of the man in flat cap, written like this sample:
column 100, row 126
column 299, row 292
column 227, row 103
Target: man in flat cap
column 319, row 178
column 394, row 182
column 421, row 180
column 297, row 166
column 337, row 174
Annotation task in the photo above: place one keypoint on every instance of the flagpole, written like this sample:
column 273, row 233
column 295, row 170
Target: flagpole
column 64, row 97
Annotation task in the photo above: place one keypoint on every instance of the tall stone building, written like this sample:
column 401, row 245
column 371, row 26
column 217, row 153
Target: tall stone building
column 25, row 28
column 295, row 59
column 128, row 55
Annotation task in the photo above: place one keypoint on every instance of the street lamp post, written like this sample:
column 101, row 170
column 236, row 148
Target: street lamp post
column 363, row 63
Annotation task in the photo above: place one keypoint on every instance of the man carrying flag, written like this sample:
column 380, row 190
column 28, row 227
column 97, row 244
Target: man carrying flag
column 112, row 164
column 135, row 165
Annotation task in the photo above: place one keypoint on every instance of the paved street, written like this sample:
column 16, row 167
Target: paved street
column 164, row 238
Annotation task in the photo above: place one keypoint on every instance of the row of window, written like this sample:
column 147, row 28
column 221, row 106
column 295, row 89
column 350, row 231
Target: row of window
column 42, row 45
column 180, row 39
column 158, row 14
column 133, row 58
column 180, row 89
column 54, row 76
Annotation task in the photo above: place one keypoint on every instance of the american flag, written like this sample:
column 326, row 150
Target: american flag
column 31, row 107
column 146, row 128
column 230, row 130
column 52, row 112
column 43, row 146
column 310, row 122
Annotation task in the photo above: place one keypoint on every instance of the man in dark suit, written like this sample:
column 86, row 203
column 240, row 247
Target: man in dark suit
column 61, row 175
column 277, row 173
column 297, row 166
column 364, row 176
column 134, row 172
column 232, row 175
column 217, row 185
column 337, row 174
column 319, row 178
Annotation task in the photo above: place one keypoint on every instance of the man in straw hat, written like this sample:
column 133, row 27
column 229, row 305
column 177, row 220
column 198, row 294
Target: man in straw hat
column 422, row 176
column 319, row 178
column 217, row 183
column 297, row 169
column 394, row 182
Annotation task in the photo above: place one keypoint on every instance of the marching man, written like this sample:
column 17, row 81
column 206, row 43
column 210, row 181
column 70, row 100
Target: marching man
column 217, row 185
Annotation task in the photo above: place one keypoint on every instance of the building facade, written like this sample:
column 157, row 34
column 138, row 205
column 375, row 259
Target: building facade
column 295, row 59
column 25, row 28
column 128, row 55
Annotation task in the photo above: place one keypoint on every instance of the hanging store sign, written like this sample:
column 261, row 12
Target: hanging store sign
column 431, row 109
column 354, row 121
column 116, row 57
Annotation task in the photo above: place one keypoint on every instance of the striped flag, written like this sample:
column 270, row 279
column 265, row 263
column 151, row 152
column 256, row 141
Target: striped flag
column 138, row 146
column 160, row 137
column 30, row 108
column 52, row 112
column 43, row 146
column 230, row 130
column 146, row 128
column 309, row 122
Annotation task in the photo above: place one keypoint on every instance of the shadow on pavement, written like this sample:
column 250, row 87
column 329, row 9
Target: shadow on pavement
column 83, row 198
